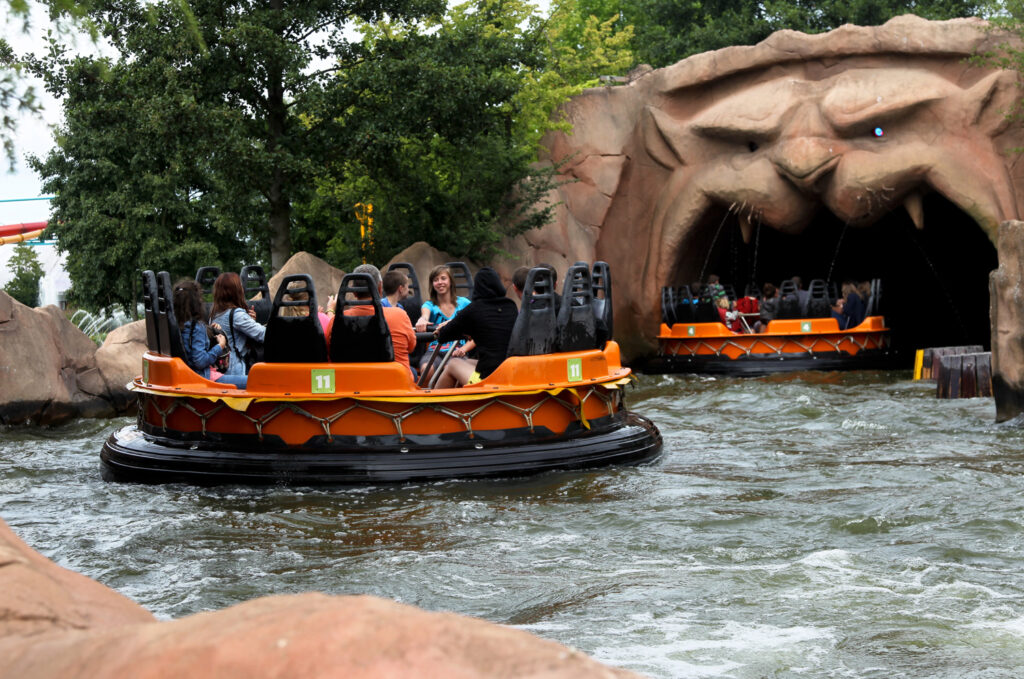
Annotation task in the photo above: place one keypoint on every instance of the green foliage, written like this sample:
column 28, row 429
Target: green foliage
column 189, row 148
column 24, row 285
column 669, row 30
column 443, row 117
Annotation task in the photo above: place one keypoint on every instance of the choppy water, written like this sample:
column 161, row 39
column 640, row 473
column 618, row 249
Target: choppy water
column 818, row 525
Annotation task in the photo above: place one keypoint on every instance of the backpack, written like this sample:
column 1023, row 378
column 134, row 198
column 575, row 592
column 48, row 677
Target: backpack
column 253, row 352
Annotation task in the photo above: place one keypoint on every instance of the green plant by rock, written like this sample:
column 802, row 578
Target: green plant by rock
column 24, row 285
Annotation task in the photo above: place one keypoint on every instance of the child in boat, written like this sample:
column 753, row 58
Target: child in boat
column 488, row 320
column 195, row 334
column 729, row 317
column 237, row 319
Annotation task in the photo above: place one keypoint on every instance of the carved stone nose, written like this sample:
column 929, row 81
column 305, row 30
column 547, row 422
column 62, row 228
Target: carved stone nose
column 805, row 160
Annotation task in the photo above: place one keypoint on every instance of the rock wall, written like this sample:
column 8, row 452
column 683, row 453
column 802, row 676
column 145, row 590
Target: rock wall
column 1006, row 294
column 58, row 624
column 50, row 371
column 859, row 121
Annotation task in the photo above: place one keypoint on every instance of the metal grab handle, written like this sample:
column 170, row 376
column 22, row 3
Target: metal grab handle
column 444, row 362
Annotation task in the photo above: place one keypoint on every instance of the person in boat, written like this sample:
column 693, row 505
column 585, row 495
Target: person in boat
column 730, row 317
column 403, row 337
column 714, row 290
column 488, row 320
column 442, row 307
column 519, row 281
column 769, row 307
column 237, row 319
column 803, row 296
column 854, row 308
column 838, row 313
column 395, row 286
column 200, row 354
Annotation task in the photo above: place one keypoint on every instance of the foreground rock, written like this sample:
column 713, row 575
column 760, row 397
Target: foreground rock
column 48, row 369
column 55, row 623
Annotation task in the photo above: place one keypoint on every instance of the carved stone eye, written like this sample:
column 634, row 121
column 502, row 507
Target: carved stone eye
column 752, row 146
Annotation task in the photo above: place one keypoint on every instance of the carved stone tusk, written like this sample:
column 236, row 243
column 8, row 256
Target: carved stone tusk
column 746, row 230
column 915, row 208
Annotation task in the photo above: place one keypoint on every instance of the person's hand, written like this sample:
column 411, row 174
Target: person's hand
column 332, row 302
column 215, row 326
column 222, row 341
column 252, row 313
column 421, row 325
column 459, row 352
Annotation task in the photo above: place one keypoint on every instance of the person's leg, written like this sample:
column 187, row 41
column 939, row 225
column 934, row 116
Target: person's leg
column 239, row 381
column 456, row 373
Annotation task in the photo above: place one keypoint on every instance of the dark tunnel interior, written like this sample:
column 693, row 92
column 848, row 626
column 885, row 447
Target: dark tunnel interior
column 935, row 280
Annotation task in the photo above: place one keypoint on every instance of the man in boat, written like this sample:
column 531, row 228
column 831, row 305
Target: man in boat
column 802, row 296
column 403, row 337
column 519, row 281
column 395, row 285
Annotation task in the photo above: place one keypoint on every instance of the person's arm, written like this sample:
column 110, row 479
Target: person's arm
column 203, row 357
column 247, row 326
column 424, row 320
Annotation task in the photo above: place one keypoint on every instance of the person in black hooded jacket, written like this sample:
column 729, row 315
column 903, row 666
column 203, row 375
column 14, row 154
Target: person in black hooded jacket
column 488, row 321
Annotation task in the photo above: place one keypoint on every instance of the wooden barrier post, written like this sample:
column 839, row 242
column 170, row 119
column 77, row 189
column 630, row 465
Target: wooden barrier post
column 929, row 358
column 963, row 375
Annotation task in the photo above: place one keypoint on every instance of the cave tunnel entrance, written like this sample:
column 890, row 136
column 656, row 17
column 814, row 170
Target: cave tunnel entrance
column 935, row 280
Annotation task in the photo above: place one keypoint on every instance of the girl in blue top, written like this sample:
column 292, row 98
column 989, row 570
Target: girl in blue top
column 195, row 339
column 237, row 319
column 442, row 307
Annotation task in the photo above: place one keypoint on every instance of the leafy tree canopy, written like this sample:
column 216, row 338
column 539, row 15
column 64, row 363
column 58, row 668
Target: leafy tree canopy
column 189, row 147
column 443, row 117
column 27, row 272
column 669, row 30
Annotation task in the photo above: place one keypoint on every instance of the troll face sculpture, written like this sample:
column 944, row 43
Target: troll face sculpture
column 853, row 126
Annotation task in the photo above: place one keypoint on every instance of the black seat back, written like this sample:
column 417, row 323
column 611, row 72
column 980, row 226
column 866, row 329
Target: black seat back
column 601, row 285
column 535, row 331
column 577, row 327
column 874, row 304
column 360, row 339
column 295, row 339
column 462, row 279
column 730, row 291
column 149, row 306
column 668, row 306
column 686, row 305
column 206, row 276
column 789, row 303
column 414, row 301
column 167, row 324
column 254, row 282
column 818, row 305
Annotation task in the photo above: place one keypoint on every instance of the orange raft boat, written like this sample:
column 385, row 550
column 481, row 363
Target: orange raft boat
column 787, row 344
column 357, row 423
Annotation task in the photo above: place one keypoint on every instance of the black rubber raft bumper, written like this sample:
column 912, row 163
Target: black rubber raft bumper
column 756, row 365
column 155, row 457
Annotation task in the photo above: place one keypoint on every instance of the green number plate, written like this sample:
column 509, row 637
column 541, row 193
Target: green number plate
column 805, row 327
column 323, row 381
column 691, row 331
column 575, row 366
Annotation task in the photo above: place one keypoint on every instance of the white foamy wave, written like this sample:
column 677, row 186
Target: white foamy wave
column 861, row 424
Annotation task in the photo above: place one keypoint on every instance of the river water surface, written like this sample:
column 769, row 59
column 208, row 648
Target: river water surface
column 811, row 525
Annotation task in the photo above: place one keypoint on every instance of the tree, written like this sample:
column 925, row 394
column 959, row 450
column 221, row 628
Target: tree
column 443, row 118
column 670, row 30
column 24, row 285
column 190, row 145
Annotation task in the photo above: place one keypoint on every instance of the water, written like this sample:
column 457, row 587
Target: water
column 818, row 525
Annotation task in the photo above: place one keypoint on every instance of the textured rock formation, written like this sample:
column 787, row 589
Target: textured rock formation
column 326, row 278
column 1007, row 312
column 859, row 122
column 120, row 360
column 48, row 368
column 55, row 623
